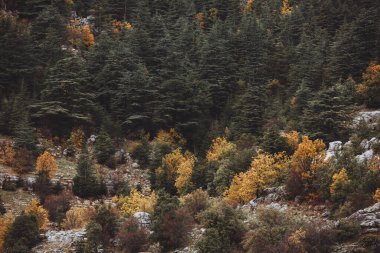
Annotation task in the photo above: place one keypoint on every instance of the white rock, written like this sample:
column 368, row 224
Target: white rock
column 143, row 218
column 366, row 156
column 334, row 148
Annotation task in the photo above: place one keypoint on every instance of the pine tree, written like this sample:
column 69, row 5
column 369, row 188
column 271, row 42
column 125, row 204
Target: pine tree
column 25, row 135
column 104, row 149
column 67, row 98
column 86, row 183
column 326, row 116
column 249, row 110
column 48, row 34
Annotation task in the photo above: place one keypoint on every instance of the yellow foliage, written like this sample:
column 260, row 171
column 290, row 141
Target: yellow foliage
column 136, row 202
column 339, row 179
column 78, row 217
column 265, row 170
column 286, row 9
column 119, row 26
column 177, row 168
column 295, row 241
column 185, row 171
column 46, row 164
column 371, row 79
column 173, row 138
column 375, row 163
column 80, row 34
column 376, row 196
column 87, row 36
column 34, row 208
column 219, row 147
column 308, row 159
column 247, row 8
column 214, row 13
column 292, row 138
column 77, row 137
column 5, row 223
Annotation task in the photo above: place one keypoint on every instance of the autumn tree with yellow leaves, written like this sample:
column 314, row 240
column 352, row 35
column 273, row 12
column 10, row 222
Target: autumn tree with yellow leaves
column 34, row 208
column 305, row 163
column 171, row 137
column 369, row 89
column 219, row 148
column 340, row 185
column 46, row 164
column 265, row 170
column 5, row 223
column 136, row 202
column 176, row 171
column 78, row 217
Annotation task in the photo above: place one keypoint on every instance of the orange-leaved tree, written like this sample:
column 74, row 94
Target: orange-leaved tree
column 369, row 89
column 46, row 164
column 5, row 223
column 265, row 170
column 136, row 202
column 219, row 148
column 305, row 163
column 34, row 208
column 176, row 170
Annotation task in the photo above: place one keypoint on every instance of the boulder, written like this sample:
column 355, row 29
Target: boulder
column 369, row 218
column 334, row 147
column 120, row 156
column 143, row 218
column 366, row 156
column 370, row 118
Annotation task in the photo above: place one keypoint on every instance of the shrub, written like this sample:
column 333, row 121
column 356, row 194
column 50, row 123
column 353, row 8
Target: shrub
column 224, row 229
column 269, row 231
column 195, row 202
column 131, row 237
column 58, row 205
column 174, row 229
column 9, row 185
column 141, row 153
column 318, row 237
column 78, row 217
column 370, row 241
column 24, row 161
column 347, row 229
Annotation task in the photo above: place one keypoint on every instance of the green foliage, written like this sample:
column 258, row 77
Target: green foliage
column 224, row 229
column 86, row 183
column 104, row 149
column 347, row 229
column 22, row 235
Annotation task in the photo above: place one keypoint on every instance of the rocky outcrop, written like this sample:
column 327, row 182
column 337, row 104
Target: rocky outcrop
column 334, row 148
column 60, row 241
column 369, row 218
column 143, row 219
column 369, row 118
column 269, row 197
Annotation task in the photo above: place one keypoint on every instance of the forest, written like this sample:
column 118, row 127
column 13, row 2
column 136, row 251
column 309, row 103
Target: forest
column 208, row 126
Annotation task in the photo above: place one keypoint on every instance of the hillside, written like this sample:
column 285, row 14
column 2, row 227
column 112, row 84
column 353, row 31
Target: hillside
column 189, row 126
